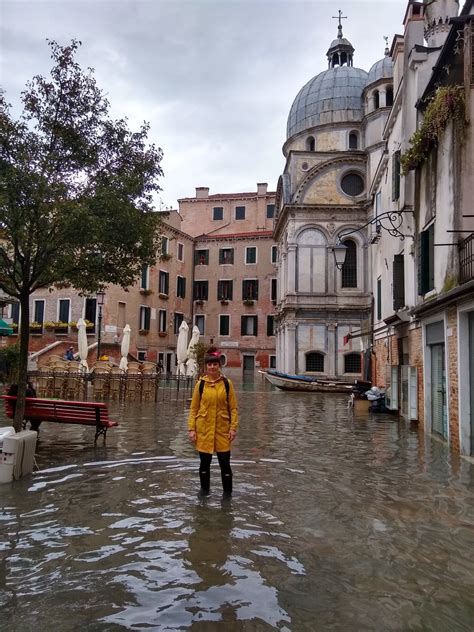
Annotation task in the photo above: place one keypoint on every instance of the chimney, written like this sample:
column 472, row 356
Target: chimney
column 202, row 192
column 262, row 188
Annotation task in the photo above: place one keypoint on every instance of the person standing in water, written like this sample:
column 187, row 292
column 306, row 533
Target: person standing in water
column 213, row 421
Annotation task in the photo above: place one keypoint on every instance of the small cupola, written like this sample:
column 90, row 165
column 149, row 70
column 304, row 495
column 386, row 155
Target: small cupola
column 341, row 51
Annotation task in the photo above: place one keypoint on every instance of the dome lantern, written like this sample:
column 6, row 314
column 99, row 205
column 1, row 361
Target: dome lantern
column 341, row 51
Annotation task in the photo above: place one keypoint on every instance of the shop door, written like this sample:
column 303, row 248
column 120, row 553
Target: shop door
column 438, row 391
column 471, row 375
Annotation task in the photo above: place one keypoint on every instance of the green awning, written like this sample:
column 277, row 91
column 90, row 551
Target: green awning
column 5, row 329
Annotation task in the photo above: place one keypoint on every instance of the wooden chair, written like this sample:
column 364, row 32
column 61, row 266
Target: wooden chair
column 148, row 386
column 115, row 382
column 59, row 378
column 44, row 383
column 148, row 365
column 72, row 384
column 133, row 384
column 100, row 383
column 134, row 366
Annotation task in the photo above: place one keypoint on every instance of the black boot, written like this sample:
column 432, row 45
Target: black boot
column 205, row 478
column 227, row 483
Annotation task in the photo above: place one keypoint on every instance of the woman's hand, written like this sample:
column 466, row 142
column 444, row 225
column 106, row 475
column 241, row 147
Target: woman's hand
column 232, row 434
column 192, row 436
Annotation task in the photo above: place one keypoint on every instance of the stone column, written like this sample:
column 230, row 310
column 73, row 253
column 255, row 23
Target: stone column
column 382, row 98
column 290, row 347
column 331, row 368
column 291, row 279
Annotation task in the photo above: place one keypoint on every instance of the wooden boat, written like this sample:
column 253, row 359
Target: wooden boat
column 288, row 382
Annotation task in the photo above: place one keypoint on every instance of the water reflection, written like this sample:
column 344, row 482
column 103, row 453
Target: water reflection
column 337, row 523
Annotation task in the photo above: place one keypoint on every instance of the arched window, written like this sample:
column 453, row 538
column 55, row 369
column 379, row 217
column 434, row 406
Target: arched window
column 353, row 140
column 349, row 267
column 389, row 98
column 376, row 99
column 315, row 362
column 310, row 143
column 352, row 363
column 311, row 256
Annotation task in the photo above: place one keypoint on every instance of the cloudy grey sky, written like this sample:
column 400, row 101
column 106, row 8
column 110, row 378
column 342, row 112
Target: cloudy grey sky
column 215, row 78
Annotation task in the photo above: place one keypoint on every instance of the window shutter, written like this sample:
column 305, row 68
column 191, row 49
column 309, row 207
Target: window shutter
column 183, row 284
column 398, row 282
column 412, row 393
column 395, row 176
column 242, row 325
column 147, row 318
column 256, row 326
column 424, row 263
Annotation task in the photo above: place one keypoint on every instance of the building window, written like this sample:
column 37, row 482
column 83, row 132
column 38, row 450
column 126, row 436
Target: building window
column 63, row 310
column 224, row 290
column 201, row 257
column 274, row 255
column 273, row 291
column 226, row 256
column 180, row 253
column 144, row 319
column 273, row 362
column 270, row 326
column 162, row 320
column 310, row 143
column 15, row 313
column 224, row 325
column 163, row 282
column 379, row 299
column 164, row 245
column 353, row 140
column 251, row 254
column 240, row 212
column 199, row 321
column 141, row 355
column 396, row 176
column 144, row 278
column 389, row 97
column 426, row 260
column 352, row 363
column 352, row 184
column 178, row 319
column 398, row 282
column 349, row 267
column 217, row 213
column 248, row 326
column 180, row 287
column 376, row 100
column 200, row 290
column 38, row 313
column 249, row 289
column 315, row 362
column 270, row 211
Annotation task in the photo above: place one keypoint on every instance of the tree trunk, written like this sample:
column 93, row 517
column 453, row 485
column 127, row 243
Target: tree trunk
column 23, row 361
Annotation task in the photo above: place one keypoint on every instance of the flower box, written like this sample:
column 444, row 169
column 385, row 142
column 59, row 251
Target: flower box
column 163, row 296
column 146, row 292
column 224, row 301
column 162, row 334
column 249, row 301
column 165, row 257
column 143, row 332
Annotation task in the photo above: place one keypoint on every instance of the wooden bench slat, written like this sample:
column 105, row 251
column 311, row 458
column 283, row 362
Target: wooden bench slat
column 62, row 411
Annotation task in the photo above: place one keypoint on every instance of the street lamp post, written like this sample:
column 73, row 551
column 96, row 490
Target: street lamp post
column 100, row 302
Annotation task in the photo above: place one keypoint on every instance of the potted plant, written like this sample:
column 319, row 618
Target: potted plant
column 143, row 332
column 162, row 334
column 249, row 301
column 146, row 291
column 61, row 328
column 49, row 324
column 199, row 301
column 36, row 328
column 165, row 257
column 163, row 296
column 224, row 301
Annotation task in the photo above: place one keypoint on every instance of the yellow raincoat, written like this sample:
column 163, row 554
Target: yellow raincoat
column 209, row 416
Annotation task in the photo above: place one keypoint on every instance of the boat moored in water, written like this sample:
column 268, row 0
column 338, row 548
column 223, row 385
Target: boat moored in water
column 289, row 382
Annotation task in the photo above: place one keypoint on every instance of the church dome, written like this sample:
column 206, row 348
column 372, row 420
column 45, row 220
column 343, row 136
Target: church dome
column 333, row 96
column 382, row 69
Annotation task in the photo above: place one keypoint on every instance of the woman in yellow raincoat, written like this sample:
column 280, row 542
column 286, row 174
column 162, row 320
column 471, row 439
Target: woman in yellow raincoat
column 213, row 421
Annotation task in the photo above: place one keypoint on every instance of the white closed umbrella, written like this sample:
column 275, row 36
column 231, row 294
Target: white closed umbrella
column 124, row 349
column 82, row 344
column 191, row 364
column 182, row 348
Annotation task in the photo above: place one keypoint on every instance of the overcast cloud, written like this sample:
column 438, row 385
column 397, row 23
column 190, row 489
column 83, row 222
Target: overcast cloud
column 215, row 79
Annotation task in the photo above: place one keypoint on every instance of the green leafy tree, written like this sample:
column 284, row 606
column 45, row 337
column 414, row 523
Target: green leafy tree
column 76, row 192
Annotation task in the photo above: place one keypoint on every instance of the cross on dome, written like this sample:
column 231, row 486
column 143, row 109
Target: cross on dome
column 339, row 28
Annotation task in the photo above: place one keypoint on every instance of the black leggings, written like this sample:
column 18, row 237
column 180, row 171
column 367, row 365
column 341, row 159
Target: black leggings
column 224, row 462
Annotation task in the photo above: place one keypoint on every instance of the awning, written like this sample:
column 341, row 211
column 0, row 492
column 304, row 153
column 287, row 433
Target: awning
column 5, row 329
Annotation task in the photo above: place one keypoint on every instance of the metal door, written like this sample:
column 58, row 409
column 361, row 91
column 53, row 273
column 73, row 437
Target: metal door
column 438, row 391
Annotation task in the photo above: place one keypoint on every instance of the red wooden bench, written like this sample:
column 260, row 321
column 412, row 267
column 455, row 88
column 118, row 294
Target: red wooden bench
column 62, row 411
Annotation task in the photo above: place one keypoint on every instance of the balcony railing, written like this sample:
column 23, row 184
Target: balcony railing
column 466, row 259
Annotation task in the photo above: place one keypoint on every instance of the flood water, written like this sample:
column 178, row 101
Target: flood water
column 336, row 523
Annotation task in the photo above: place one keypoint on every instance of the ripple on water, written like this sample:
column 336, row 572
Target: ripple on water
column 336, row 523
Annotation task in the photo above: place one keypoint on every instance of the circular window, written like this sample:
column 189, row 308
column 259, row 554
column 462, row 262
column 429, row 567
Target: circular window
column 305, row 166
column 352, row 184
